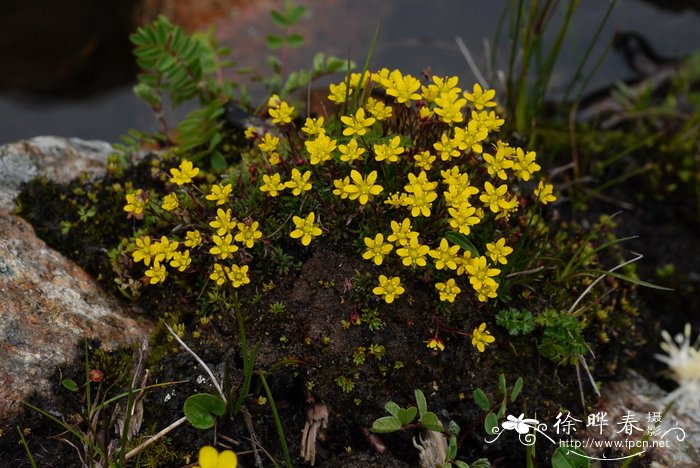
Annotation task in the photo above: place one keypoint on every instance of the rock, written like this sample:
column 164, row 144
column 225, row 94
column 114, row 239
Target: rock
column 635, row 398
column 56, row 158
column 48, row 302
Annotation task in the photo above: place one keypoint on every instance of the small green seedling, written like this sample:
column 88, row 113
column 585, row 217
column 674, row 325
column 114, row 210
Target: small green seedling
column 402, row 418
column 480, row 398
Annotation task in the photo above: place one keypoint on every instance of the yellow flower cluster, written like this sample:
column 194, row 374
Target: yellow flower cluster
column 454, row 174
column 226, row 230
column 156, row 254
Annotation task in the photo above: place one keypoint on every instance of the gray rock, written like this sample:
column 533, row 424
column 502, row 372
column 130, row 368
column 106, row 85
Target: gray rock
column 47, row 302
column 635, row 398
column 56, row 158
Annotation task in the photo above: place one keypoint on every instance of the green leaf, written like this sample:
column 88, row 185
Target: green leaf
column 392, row 408
column 481, row 400
column 429, row 420
column 460, row 464
column 336, row 65
column 452, row 447
column 295, row 40
column 201, row 410
column 386, row 424
column 70, row 384
column 638, row 282
column 274, row 41
column 454, row 428
column 570, row 457
column 481, row 463
column 295, row 13
column 502, row 385
column 420, row 401
column 461, row 240
column 502, row 409
column 217, row 161
column 516, row 389
column 279, row 19
column 406, row 416
column 490, row 423
column 317, row 66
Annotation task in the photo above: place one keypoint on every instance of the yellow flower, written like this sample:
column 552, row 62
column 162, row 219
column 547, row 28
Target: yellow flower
column 238, row 275
column 396, row 200
column 209, row 457
column 487, row 120
column 218, row 275
column 320, row 149
column 156, row 273
column 498, row 251
column 448, row 290
column 351, row 151
column 184, row 173
column 525, row 164
column 447, row 147
column 299, row 182
column 363, row 189
column 376, row 249
column 306, row 229
column 281, row 114
column 340, row 185
column 496, row 164
column 357, row 124
column 495, row 198
column 402, row 87
column 470, row 138
column 544, row 193
column 389, row 288
column 339, row 92
column 413, row 253
column 424, row 160
column 463, row 218
column 251, row 133
column 193, row 238
column 401, row 233
column 449, row 107
column 481, row 338
column 135, row 204
column 445, row 255
column 313, row 126
column 170, row 202
column 389, row 152
column 181, row 261
column 269, row 144
column 273, row 184
column 144, row 250
column 223, row 248
column 223, row 223
column 480, row 98
column 480, row 273
column 420, row 202
column 165, row 249
column 248, row 233
column 435, row 344
column 378, row 109
column 220, row 193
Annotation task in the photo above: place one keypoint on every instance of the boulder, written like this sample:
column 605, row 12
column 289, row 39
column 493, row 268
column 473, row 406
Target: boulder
column 56, row 158
column 676, row 441
column 47, row 302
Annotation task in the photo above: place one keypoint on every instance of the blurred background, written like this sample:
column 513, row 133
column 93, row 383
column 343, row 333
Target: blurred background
column 68, row 68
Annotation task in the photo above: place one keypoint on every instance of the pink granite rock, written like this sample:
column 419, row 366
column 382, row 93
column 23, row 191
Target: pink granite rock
column 47, row 302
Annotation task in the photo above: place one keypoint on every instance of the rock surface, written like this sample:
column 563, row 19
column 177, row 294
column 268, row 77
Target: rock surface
column 56, row 158
column 47, row 303
column 635, row 398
